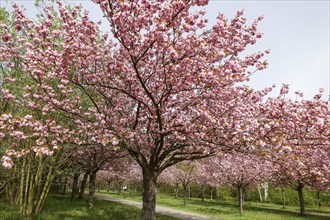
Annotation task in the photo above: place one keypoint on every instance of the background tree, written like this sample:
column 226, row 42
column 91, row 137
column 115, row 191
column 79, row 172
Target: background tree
column 241, row 171
column 300, row 141
column 182, row 173
column 203, row 177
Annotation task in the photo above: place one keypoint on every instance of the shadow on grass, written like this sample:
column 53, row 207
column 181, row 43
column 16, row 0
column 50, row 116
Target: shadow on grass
column 287, row 213
column 61, row 207
column 230, row 207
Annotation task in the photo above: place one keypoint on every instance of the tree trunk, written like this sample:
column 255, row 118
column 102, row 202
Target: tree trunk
column 177, row 190
column 92, row 180
column 241, row 200
column 109, row 186
column 83, row 186
column 217, row 193
column 65, row 185
column 149, row 194
column 211, row 196
column 202, row 195
column 188, row 191
column 301, row 199
column 260, row 195
column 75, row 188
column 33, row 185
column 283, row 197
column 21, row 194
column 46, row 187
column 120, row 187
column 318, row 199
column 185, row 194
column 265, row 191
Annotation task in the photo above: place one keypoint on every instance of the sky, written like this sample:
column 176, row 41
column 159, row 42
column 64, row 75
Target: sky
column 296, row 32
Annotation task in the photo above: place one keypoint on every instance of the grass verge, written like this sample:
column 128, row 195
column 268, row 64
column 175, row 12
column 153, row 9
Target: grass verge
column 61, row 207
column 228, row 210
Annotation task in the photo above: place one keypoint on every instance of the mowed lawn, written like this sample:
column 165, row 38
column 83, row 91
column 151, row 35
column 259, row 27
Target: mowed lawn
column 228, row 210
column 59, row 207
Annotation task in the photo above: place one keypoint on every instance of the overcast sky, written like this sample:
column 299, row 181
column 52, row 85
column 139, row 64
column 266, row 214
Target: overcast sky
column 297, row 32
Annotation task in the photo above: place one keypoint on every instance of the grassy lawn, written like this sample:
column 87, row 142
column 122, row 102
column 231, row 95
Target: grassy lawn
column 60, row 207
column 228, row 210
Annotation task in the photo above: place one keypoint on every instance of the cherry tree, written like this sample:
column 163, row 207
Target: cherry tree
column 35, row 149
column 39, row 130
column 134, row 176
column 156, row 89
column 121, row 170
column 168, row 177
column 300, row 141
column 182, row 173
column 204, row 176
column 94, row 158
column 241, row 171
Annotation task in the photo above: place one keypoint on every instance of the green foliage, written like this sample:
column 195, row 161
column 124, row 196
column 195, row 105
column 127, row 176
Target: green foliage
column 225, row 193
column 3, row 15
column 291, row 196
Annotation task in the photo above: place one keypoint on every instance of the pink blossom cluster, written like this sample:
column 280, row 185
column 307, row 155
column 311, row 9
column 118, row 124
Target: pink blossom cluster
column 23, row 135
column 241, row 170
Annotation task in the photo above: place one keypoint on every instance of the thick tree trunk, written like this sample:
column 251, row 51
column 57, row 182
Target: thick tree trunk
column 75, row 189
column 283, row 198
column 83, row 186
column 301, row 198
column 149, row 194
column 92, row 180
column 241, row 200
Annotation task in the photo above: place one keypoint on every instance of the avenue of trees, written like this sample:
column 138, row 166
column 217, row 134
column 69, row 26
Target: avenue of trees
column 158, row 99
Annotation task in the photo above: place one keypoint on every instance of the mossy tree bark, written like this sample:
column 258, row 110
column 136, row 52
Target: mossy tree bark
column 12, row 188
column 75, row 188
column 83, row 186
column 92, row 181
column 34, row 184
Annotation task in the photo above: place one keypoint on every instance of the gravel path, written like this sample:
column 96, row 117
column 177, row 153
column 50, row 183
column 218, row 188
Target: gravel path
column 159, row 209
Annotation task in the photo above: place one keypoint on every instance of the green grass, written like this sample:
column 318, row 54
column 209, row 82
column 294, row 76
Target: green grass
column 228, row 210
column 60, row 207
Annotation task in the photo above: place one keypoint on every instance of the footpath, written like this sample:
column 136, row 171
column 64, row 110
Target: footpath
column 162, row 210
